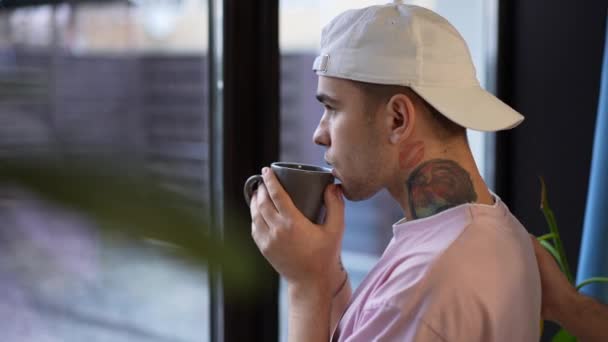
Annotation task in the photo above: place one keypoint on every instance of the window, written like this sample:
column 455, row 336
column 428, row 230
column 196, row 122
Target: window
column 367, row 223
column 121, row 79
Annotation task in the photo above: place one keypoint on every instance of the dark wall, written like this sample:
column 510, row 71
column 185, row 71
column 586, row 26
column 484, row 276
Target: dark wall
column 550, row 54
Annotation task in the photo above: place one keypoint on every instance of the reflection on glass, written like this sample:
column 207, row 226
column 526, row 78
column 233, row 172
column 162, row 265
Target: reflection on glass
column 117, row 80
column 368, row 223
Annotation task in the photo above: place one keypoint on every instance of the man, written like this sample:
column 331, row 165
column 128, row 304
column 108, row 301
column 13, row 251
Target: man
column 399, row 88
column 580, row 315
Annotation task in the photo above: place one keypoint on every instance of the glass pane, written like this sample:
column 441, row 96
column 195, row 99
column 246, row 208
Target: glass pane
column 120, row 80
column 368, row 223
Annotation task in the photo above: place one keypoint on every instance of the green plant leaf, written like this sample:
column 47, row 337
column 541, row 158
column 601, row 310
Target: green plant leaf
column 592, row 280
column 546, row 237
column 553, row 252
column 550, row 218
column 133, row 206
column 563, row 336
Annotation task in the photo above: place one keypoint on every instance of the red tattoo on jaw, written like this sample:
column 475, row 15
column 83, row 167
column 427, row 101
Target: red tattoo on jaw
column 411, row 155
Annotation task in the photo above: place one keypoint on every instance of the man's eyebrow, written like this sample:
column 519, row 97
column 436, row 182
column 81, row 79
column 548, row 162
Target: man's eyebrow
column 324, row 98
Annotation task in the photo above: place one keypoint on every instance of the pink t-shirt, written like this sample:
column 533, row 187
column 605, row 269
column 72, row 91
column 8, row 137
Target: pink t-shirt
column 466, row 274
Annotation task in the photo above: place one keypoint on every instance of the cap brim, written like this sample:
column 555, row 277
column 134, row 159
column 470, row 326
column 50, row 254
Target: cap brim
column 472, row 107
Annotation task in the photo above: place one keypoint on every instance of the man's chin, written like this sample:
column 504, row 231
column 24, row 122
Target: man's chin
column 356, row 196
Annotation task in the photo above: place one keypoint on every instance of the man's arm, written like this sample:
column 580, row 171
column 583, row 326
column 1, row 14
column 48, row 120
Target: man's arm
column 308, row 307
column 340, row 300
column 309, row 313
column 304, row 253
column 585, row 318
column 580, row 315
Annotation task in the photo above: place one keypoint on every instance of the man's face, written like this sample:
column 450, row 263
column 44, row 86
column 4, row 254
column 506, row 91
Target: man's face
column 354, row 138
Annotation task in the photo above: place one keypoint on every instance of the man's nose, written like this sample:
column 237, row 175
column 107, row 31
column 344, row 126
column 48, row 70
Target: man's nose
column 321, row 137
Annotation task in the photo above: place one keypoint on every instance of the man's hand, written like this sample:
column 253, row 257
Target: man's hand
column 582, row 316
column 556, row 289
column 306, row 254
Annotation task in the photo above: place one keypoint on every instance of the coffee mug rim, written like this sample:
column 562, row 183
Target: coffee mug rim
column 323, row 170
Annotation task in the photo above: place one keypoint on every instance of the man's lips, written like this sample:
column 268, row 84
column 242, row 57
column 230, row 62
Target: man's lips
column 335, row 174
column 337, row 178
column 333, row 169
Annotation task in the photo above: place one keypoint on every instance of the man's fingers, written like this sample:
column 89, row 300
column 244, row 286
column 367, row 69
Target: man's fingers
column 534, row 243
column 259, row 227
column 539, row 250
column 543, row 257
column 334, row 202
column 266, row 207
column 279, row 196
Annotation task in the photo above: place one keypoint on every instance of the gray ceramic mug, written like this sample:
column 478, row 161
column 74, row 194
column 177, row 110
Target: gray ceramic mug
column 305, row 184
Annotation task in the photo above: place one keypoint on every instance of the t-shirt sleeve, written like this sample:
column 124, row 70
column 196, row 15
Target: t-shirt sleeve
column 387, row 322
column 482, row 288
column 464, row 318
column 457, row 314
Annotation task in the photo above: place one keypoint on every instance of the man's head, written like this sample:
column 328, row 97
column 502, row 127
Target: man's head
column 374, row 132
column 396, row 79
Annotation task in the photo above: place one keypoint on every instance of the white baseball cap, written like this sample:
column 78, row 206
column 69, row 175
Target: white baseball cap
column 398, row 44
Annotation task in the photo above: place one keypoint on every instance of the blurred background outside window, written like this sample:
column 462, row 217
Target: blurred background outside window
column 126, row 80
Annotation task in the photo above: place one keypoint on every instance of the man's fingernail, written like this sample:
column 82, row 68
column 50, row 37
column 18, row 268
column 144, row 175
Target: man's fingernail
column 264, row 170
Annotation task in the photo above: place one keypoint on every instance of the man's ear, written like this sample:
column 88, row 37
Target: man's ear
column 401, row 117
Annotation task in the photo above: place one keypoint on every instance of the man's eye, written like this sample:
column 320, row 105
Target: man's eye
column 328, row 108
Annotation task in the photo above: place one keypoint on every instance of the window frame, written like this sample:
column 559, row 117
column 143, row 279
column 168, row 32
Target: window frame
column 244, row 137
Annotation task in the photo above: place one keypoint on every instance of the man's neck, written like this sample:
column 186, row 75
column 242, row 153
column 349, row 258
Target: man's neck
column 444, row 179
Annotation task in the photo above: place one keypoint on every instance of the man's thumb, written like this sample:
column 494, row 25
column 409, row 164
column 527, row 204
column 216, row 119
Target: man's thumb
column 334, row 204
